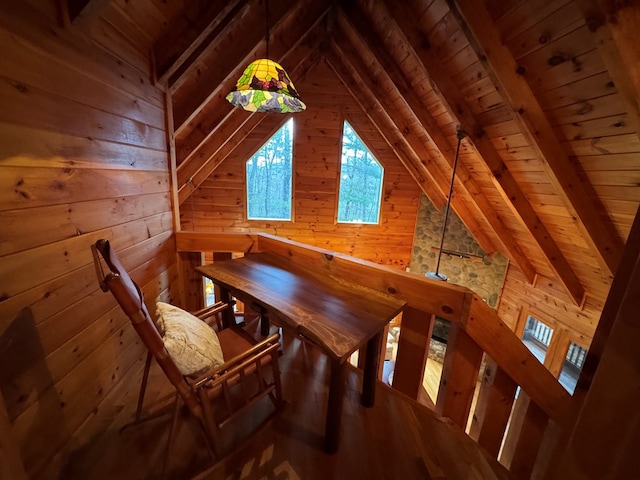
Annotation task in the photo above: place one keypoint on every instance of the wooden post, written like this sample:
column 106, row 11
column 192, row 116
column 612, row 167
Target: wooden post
column 413, row 348
column 223, row 295
column 459, row 376
column 604, row 441
column 192, row 280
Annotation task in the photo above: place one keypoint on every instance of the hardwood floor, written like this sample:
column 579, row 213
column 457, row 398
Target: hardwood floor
column 397, row 438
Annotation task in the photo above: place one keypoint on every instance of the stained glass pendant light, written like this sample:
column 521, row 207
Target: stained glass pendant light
column 265, row 86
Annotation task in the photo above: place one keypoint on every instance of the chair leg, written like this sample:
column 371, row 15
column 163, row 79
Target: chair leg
column 172, row 432
column 143, row 388
column 276, row 379
column 209, row 423
column 143, row 385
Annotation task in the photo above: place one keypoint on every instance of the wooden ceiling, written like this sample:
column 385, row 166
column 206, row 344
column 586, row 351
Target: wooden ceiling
column 546, row 92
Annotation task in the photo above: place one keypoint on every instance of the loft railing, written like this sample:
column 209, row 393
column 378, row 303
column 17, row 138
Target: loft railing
column 477, row 336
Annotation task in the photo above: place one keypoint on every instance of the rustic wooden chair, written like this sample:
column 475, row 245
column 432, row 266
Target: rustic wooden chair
column 249, row 373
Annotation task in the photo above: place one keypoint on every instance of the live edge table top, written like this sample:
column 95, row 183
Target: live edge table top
column 337, row 315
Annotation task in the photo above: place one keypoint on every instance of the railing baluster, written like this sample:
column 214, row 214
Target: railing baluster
column 459, row 376
column 413, row 349
column 493, row 408
column 529, row 441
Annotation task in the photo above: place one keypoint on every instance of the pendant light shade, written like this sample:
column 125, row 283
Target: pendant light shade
column 266, row 87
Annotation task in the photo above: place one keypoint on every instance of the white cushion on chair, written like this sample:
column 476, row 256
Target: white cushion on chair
column 192, row 344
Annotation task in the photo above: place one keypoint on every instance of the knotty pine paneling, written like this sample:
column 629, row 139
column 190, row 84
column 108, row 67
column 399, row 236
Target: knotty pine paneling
column 220, row 202
column 83, row 156
column 550, row 302
column 560, row 60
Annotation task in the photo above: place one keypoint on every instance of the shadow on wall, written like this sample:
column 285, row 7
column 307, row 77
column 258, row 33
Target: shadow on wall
column 477, row 271
column 24, row 373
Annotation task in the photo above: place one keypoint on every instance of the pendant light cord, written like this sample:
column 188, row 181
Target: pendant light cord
column 460, row 135
column 266, row 19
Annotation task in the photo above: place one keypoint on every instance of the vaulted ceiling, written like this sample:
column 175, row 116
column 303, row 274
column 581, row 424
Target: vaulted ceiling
column 545, row 91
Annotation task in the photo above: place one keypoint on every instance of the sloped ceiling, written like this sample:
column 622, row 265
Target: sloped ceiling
column 545, row 93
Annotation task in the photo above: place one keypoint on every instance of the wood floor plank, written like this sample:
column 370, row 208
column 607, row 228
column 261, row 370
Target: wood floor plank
column 397, row 438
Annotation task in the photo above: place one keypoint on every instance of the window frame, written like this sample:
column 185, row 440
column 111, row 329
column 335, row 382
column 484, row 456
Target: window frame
column 560, row 341
column 339, row 182
column 265, row 221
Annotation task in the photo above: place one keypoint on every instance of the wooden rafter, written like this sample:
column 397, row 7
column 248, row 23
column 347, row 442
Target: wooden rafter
column 197, row 26
column 502, row 179
column 192, row 83
column 76, row 11
column 384, row 125
column 464, row 180
column 590, row 214
column 615, row 32
column 233, row 129
column 380, row 104
column 391, row 99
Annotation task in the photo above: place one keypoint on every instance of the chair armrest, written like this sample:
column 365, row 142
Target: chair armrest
column 233, row 366
column 215, row 311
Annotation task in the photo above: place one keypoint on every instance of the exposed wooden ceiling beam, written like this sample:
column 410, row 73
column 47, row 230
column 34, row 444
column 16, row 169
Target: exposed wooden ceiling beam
column 356, row 20
column 380, row 103
column 615, row 28
column 502, row 179
column 590, row 214
column 354, row 84
column 236, row 130
column 199, row 25
column 389, row 86
column 78, row 11
column 228, row 132
column 390, row 101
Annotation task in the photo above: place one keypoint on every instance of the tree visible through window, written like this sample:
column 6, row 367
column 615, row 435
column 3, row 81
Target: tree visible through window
column 360, row 181
column 269, row 178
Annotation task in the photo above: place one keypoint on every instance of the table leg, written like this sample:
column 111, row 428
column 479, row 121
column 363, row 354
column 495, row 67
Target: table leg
column 334, row 406
column 370, row 375
column 264, row 324
column 228, row 318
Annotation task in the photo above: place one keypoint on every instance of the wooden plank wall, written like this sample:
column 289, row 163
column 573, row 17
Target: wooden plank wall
column 219, row 205
column 83, row 156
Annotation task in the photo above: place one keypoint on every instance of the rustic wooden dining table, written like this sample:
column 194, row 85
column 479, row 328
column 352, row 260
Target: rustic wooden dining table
column 335, row 314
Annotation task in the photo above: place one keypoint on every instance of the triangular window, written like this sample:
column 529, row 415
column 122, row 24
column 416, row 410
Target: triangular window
column 360, row 181
column 269, row 177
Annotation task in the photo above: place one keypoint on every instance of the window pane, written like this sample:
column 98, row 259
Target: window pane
column 536, row 337
column 360, row 181
column 572, row 366
column 209, row 295
column 269, row 178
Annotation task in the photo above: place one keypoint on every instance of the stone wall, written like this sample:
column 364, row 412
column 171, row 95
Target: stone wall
column 476, row 270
